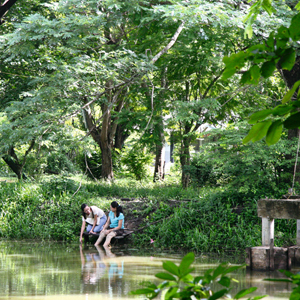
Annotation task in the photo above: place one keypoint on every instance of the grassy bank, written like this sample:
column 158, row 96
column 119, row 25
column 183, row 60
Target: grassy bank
column 201, row 220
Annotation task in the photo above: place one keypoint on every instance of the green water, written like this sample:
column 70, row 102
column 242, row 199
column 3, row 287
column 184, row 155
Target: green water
column 31, row 270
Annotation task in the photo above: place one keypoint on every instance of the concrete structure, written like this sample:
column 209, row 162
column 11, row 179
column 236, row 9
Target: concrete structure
column 270, row 209
column 267, row 257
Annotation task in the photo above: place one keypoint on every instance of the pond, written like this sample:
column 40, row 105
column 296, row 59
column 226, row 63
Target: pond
column 31, row 270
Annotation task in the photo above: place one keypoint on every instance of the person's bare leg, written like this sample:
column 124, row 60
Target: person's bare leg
column 108, row 238
column 101, row 237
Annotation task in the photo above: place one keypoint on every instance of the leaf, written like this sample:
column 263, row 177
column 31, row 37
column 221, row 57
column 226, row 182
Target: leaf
column 186, row 272
column 186, row 262
column 282, row 110
column 165, row 276
column 288, row 59
column 233, row 268
column 274, row 133
column 225, row 281
column 268, row 68
column 245, row 292
column 143, row 291
column 287, row 273
column 295, row 295
column 283, row 32
column 260, row 115
column 292, row 121
column 171, row 292
column 218, row 294
column 233, row 63
column 295, row 28
column 255, row 74
column 218, row 271
column 287, row 97
column 257, row 132
column 171, row 267
column 267, row 6
column 246, row 77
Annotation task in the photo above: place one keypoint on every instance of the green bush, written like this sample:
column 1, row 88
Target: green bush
column 201, row 170
column 136, row 161
column 58, row 162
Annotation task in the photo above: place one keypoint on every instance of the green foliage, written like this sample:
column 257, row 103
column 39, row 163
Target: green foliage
column 91, row 163
column 225, row 161
column 59, row 162
column 136, row 160
column 179, row 283
column 201, row 170
column 279, row 49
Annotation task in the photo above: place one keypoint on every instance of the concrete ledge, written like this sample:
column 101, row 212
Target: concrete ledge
column 266, row 259
column 279, row 208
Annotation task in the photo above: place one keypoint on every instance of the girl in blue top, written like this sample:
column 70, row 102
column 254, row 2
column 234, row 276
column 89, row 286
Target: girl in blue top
column 114, row 225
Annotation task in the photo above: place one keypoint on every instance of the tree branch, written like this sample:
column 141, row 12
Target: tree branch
column 172, row 42
column 5, row 7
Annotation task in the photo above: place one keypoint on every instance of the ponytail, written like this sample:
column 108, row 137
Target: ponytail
column 115, row 204
column 82, row 208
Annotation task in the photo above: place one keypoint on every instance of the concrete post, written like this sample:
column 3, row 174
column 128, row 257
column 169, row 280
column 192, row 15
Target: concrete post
column 268, row 231
column 298, row 233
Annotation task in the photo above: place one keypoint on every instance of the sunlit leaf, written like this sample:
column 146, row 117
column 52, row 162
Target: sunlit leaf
column 257, row 132
column 245, row 292
column 171, row 267
column 165, row 276
column 295, row 28
column 274, row 133
column 186, row 262
column 260, row 115
column 287, row 97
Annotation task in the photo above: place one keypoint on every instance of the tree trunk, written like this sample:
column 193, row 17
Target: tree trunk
column 13, row 162
column 107, row 166
column 5, row 7
column 185, row 161
column 159, row 168
column 120, row 137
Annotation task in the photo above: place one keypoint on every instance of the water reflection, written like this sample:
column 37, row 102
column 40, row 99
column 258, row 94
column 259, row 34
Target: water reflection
column 101, row 264
column 59, row 271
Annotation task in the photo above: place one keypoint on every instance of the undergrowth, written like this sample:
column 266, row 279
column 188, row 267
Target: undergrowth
column 197, row 219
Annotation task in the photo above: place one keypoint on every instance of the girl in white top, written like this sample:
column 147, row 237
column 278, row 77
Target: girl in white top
column 94, row 217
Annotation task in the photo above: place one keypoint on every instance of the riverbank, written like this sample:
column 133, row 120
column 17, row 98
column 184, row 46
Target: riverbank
column 163, row 216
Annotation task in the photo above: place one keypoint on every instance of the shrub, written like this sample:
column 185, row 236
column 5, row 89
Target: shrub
column 59, row 162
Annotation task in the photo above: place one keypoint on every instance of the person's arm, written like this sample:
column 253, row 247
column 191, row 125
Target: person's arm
column 118, row 227
column 106, row 224
column 81, row 231
column 95, row 223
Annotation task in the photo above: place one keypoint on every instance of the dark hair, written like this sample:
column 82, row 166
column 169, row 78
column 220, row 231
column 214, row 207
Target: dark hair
column 115, row 204
column 83, row 206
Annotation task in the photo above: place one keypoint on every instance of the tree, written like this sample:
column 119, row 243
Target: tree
column 4, row 8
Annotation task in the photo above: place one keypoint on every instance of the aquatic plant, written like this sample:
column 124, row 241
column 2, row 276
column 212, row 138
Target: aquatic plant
column 178, row 282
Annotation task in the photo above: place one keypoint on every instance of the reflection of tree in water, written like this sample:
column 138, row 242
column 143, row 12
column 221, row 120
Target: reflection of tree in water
column 100, row 272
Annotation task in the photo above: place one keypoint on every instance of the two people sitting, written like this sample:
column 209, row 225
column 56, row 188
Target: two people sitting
column 99, row 223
